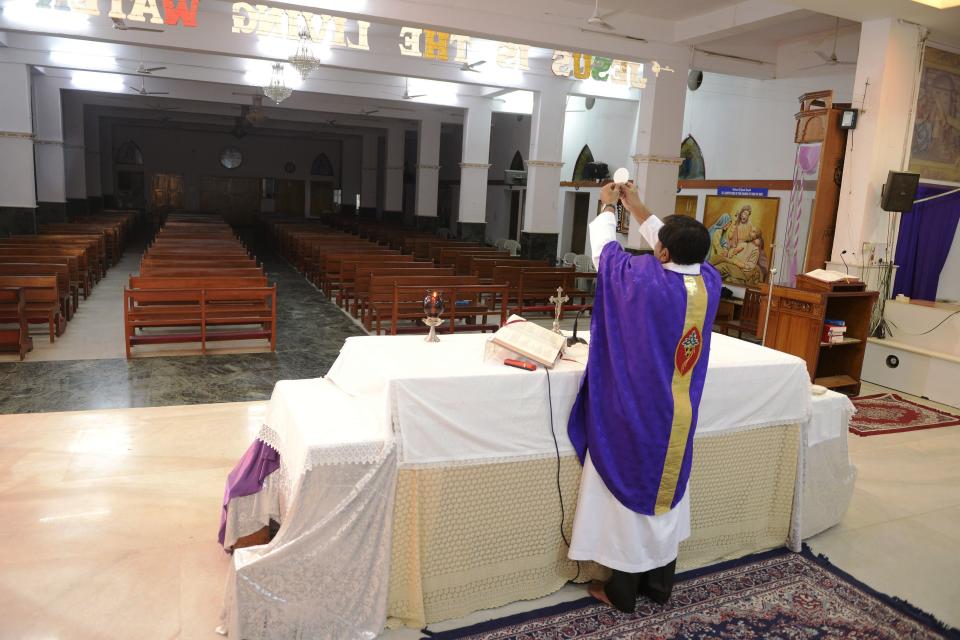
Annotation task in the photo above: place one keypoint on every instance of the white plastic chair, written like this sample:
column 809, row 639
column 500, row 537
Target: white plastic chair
column 512, row 246
column 583, row 263
column 569, row 259
column 499, row 243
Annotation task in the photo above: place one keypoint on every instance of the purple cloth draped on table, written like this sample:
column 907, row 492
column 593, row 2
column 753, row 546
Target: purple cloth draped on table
column 624, row 413
column 926, row 233
column 247, row 477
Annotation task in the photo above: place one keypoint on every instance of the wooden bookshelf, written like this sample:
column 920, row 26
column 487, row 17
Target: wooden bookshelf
column 796, row 324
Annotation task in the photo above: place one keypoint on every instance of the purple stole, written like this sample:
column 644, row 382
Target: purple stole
column 638, row 403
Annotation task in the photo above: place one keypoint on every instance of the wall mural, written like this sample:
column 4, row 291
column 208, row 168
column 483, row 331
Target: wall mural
column 935, row 154
column 742, row 231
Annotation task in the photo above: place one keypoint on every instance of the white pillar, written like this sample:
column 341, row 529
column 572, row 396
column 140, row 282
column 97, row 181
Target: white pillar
column 888, row 61
column 91, row 137
column 394, row 170
column 541, row 213
column 474, row 170
column 350, row 172
column 428, row 168
column 368, row 172
column 16, row 148
column 659, row 132
column 74, row 152
column 48, row 146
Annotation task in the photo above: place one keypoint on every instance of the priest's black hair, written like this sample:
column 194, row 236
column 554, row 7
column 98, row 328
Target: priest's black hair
column 687, row 240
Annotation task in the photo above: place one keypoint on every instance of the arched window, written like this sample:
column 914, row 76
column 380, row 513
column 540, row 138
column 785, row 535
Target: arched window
column 692, row 167
column 129, row 153
column 585, row 158
column 517, row 163
column 321, row 166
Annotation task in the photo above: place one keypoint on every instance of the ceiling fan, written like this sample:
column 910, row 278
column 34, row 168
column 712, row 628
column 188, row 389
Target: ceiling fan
column 831, row 60
column 120, row 25
column 143, row 89
column 598, row 20
column 370, row 112
column 406, row 91
column 472, row 66
column 144, row 70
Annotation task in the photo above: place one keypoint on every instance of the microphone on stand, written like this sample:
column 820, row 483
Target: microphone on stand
column 842, row 259
column 572, row 340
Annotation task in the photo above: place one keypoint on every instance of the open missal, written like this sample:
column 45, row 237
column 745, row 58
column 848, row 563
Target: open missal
column 530, row 341
column 829, row 276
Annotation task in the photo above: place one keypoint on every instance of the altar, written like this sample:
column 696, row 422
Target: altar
column 418, row 482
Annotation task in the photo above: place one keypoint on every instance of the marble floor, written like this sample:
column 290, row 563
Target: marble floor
column 86, row 368
column 110, row 521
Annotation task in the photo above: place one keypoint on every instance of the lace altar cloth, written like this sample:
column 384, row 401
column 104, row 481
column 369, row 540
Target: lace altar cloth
column 825, row 477
column 433, row 415
column 325, row 573
column 459, row 546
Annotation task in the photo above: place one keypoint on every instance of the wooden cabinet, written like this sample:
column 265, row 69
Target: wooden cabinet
column 796, row 325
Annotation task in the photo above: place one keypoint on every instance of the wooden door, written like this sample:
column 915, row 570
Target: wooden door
column 290, row 197
column 581, row 210
column 321, row 198
column 167, row 191
column 237, row 199
column 686, row 206
column 130, row 190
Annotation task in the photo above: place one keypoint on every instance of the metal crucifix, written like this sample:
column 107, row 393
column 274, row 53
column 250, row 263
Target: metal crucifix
column 558, row 301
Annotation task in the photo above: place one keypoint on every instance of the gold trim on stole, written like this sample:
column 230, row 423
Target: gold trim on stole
column 682, row 409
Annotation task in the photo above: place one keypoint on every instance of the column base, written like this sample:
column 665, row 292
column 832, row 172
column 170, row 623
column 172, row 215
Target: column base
column 17, row 221
column 426, row 223
column 109, row 202
column 393, row 217
column 51, row 212
column 539, row 246
column 472, row 231
column 348, row 210
column 368, row 213
column 95, row 204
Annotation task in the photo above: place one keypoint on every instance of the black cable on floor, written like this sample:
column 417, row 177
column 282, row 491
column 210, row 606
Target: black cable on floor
column 556, row 447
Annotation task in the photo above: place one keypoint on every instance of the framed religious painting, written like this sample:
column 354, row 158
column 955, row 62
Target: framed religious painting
column 935, row 153
column 686, row 206
column 742, row 231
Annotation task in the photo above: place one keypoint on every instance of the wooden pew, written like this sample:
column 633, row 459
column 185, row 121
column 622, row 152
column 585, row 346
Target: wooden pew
column 535, row 288
column 464, row 302
column 216, row 308
column 91, row 264
column 42, row 298
column 72, row 263
column 61, row 271
column 13, row 310
column 381, row 294
column 483, row 267
column 187, row 272
column 348, row 273
column 364, row 277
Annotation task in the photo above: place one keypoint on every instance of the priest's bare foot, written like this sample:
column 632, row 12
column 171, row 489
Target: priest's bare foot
column 596, row 590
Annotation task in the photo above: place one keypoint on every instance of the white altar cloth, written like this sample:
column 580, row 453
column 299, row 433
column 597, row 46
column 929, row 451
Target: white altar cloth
column 325, row 573
column 449, row 406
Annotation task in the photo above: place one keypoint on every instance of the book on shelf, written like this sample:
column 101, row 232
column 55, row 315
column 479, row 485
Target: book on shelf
column 835, row 322
column 530, row 340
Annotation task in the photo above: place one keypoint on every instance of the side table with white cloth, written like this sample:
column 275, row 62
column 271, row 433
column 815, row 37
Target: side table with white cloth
column 454, row 503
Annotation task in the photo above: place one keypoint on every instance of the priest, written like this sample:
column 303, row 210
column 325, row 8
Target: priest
column 633, row 422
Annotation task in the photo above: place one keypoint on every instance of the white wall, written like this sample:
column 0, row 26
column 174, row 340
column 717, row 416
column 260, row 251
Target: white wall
column 608, row 128
column 16, row 176
column 510, row 133
column 745, row 127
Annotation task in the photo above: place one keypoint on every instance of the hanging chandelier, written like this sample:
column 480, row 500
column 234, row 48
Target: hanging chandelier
column 277, row 90
column 303, row 60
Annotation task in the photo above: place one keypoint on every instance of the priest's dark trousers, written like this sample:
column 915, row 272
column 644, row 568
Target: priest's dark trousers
column 623, row 589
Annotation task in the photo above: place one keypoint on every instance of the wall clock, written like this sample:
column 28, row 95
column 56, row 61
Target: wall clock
column 231, row 158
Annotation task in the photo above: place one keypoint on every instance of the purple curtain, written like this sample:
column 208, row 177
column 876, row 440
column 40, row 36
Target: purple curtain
column 926, row 233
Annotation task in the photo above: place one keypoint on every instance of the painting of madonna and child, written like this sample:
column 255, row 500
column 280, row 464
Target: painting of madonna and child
column 741, row 235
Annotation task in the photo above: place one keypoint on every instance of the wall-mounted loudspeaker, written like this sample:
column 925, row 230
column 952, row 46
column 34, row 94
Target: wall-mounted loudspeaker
column 694, row 79
column 900, row 191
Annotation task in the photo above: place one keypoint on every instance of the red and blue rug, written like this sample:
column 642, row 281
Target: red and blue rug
column 774, row 595
column 889, row 413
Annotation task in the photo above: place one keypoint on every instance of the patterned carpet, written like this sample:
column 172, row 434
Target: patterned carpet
column 773, row 595
column 889, row 413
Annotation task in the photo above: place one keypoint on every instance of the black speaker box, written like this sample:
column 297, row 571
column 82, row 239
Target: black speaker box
column 900, row 191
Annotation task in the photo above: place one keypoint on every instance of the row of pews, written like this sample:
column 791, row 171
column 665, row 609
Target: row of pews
column 43, row 275
column 198, row 283
column 380, row 275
